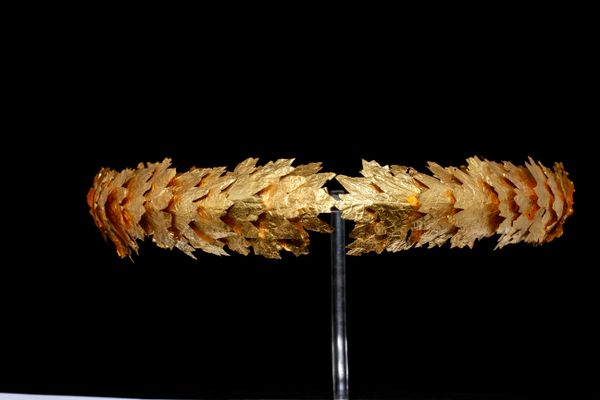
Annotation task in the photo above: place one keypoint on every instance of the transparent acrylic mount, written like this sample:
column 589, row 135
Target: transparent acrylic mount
column 339, row 347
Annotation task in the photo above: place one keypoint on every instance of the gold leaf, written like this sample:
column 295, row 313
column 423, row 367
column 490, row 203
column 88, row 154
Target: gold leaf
column 396, row 208
column 267, row 208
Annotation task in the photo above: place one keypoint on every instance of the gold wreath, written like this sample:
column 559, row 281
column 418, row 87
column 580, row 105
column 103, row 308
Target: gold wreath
column 270, row 208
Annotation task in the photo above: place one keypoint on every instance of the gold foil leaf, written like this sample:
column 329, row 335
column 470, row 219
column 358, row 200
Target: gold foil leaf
column 267, row 208
column 396, row 208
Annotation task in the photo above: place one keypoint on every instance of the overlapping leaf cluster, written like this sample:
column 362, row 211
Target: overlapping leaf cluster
column 396, row 208
column 269, row 208
column 266, row 208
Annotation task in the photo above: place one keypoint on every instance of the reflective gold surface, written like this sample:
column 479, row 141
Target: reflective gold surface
column 396, row 208
column 270, row 208
column 267, row 208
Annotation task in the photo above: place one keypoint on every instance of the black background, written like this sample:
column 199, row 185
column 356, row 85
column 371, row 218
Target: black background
column 440, row 323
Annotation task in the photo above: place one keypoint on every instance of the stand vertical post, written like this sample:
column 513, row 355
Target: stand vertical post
column 338, row 305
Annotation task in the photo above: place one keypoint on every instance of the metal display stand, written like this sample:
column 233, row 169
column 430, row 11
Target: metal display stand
column 339, row 346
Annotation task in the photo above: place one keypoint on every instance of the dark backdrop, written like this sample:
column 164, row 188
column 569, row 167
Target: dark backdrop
column 441, row 323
